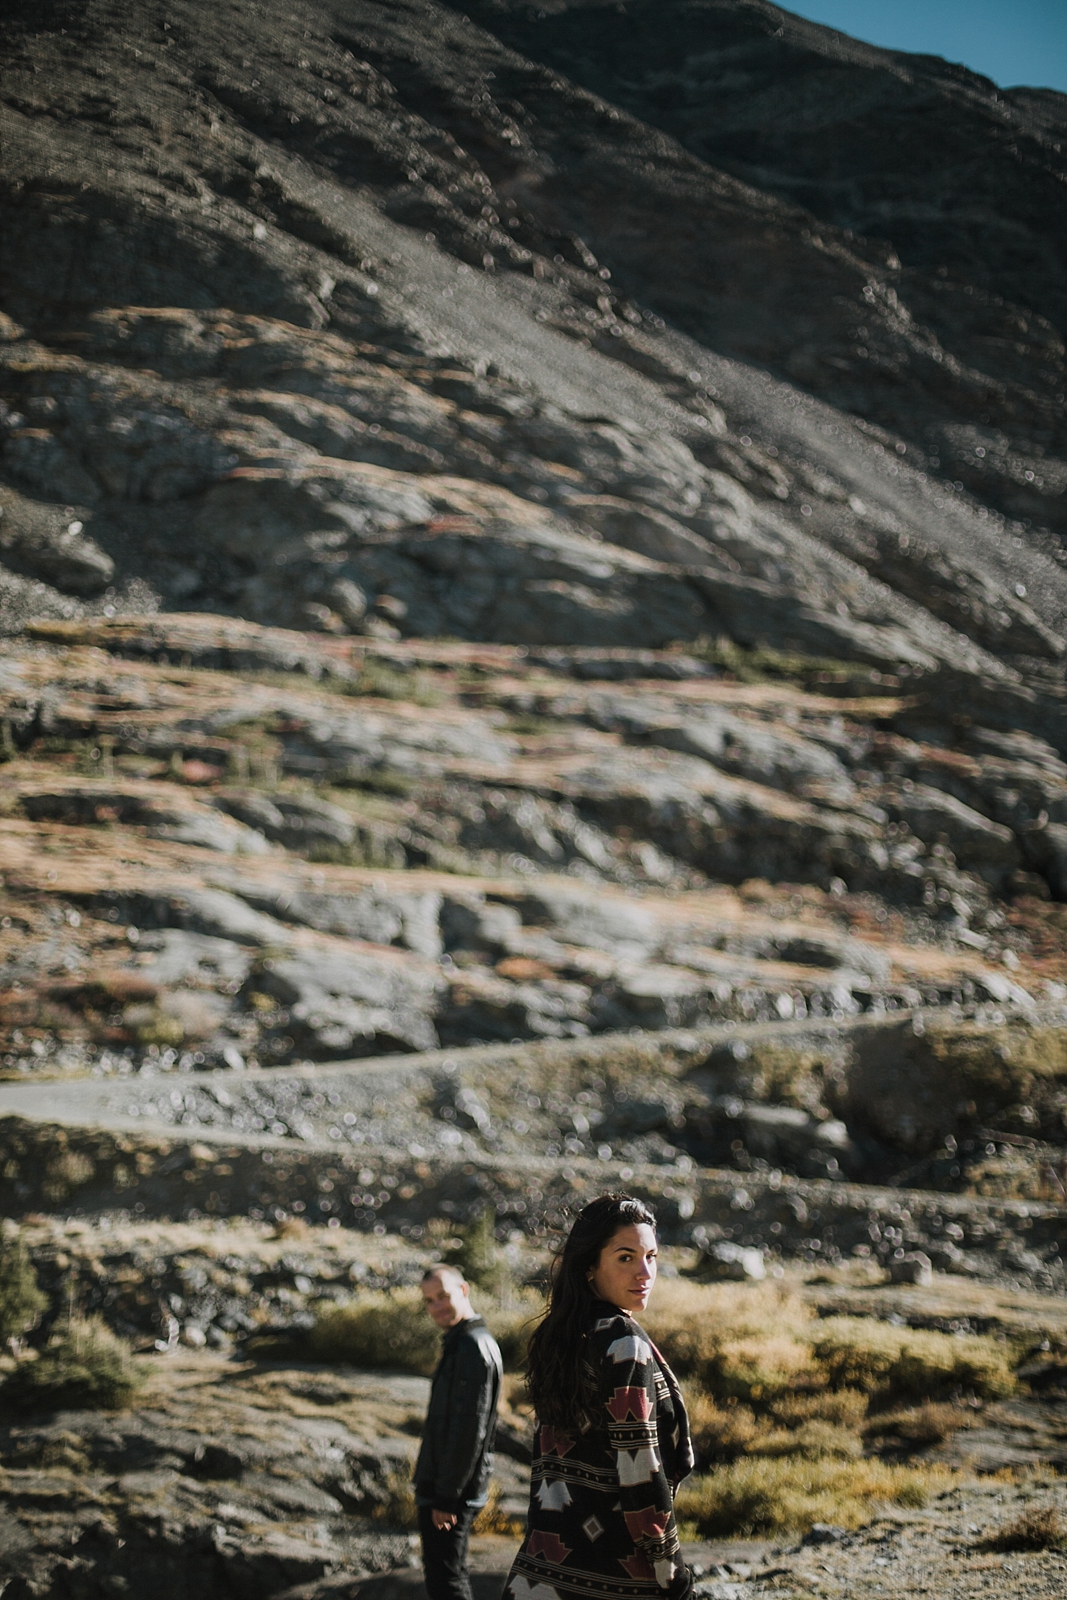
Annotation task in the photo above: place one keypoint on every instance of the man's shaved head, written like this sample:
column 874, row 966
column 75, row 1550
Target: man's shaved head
column 447, row 1297
column 446, row 1273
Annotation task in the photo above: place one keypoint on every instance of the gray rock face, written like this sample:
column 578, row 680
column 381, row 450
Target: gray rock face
column 224, row 916
column 179, row 820
column 974, row 840
column 377, row 915
column 46, row 541
column 734, row 1263
column 295, row 821
column 174, row 956
column 522, row 855
column 215, row 1464
column 355, row 1004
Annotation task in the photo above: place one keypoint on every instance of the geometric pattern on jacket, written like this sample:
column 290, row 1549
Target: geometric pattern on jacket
column 601, row 1522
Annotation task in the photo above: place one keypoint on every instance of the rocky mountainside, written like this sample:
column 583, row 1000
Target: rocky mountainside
column 532, row 642
column 534, row 610
column 355, row 316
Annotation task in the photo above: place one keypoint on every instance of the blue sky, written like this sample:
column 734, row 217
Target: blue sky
column 1011, row 41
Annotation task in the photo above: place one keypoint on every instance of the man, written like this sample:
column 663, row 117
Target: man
column 452, row 1472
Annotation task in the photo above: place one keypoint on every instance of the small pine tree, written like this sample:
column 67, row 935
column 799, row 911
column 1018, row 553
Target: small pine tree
column 479, row 1257
column 21, row 1298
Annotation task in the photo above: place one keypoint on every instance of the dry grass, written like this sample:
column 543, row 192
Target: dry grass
column 780, row 1403
column 738, row 1341
column 1040, row 1529
column 918, row 1426
column 393, row 1330
column 512, row 1324
column 722, row 1432
column 762, row 1345
column 846, row 1407
column 812, row 1440
column 397, row 1509
column 779, row 1399
column 771, row 1495
column 493, row 1518
column 908, row 1363
column 85, row 1366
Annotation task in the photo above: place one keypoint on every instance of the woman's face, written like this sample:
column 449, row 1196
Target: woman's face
column 626, row 1270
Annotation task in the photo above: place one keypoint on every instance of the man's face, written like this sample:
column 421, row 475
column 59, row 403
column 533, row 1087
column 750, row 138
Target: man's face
column 448, row 1298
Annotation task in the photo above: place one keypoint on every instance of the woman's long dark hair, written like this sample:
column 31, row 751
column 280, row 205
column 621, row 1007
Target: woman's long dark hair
column 558, row 1378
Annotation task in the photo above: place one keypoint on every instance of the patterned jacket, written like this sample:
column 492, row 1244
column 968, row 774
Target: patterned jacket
column 601, row 1519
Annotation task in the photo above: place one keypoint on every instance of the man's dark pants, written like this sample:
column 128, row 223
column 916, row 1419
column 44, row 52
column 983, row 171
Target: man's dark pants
column 444, row 1555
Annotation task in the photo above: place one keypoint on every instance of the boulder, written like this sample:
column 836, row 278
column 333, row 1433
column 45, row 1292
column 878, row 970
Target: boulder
column 733, row 1263
column 163, row 816
column 355, row 1004
column 298, row 822
column 221, row 915
column 49, row 541
column 913, row 1267
column 975, row 840
column 376, row 914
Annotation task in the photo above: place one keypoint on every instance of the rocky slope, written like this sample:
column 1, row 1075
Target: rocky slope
column 533, row 597
column 286, row 1478
column 358, row 314
column 702, row 918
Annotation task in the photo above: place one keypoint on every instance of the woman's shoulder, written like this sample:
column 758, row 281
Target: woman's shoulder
column 619, row 1336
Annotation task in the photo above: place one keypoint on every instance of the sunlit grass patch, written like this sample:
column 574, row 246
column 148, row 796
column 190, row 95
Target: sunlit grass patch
column 764, row 1346
column 735, row 1341
column 846, row 1407
column 811, row 1440
column 790, row 1493
column 396, row 1507
column 392, row 1329
column 493, row 1518
column 909, row 1363
column 918, row 1426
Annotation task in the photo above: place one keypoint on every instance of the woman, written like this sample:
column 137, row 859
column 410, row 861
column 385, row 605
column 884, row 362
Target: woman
column 612, row 1439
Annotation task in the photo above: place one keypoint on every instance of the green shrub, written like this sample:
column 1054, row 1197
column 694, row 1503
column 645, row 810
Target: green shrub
column 512, row 1326
column 21, row 1299
column 378, row 1330
column 480, row 1259
column 85, row 1366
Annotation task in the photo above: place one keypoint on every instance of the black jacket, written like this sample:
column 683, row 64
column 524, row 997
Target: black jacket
column 457, row 1442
